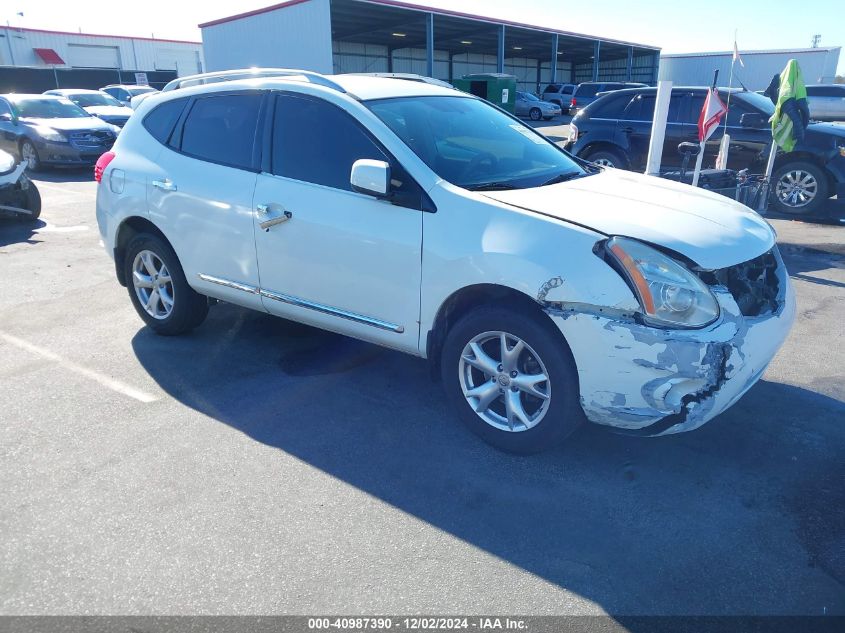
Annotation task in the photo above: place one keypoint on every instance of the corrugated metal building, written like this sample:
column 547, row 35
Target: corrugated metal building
column 696, row 69
column 38, row 48
column 345, row 36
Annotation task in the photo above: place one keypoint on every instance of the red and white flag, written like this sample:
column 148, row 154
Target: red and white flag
column 737, row 56
column 711, row 114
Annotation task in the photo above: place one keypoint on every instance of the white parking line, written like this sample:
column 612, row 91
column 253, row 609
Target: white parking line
column 105, row 381
column 46, row 185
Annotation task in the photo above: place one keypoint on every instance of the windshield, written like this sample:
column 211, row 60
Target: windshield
column 758, row 102
column 48, row 108
column 529, row 96
column 86, row 100
column 474, row 145
column 140, row 91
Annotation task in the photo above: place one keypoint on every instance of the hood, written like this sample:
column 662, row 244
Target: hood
column 71, row 125
column 109, row 111
column 710, row 229
column 818, row 129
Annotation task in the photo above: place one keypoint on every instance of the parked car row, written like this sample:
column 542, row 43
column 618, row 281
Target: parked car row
column 572, row 98
column 614, row 131
column 66, row 126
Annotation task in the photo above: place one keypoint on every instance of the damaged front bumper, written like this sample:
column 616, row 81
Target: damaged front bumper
column 650, row 381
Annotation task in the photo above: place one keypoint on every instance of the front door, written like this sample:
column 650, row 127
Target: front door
column 329, row 256
column 636, row 123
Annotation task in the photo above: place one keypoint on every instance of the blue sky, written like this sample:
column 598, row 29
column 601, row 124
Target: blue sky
column 665, row 23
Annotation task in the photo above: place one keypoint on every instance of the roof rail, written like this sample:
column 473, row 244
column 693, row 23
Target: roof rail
column 249, row 73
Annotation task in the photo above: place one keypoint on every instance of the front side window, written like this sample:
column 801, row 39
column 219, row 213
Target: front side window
column 317, row 142
column 471, row 144
column 221, row 129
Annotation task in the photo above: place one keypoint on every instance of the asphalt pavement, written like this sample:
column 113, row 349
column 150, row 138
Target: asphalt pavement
column 257, row 466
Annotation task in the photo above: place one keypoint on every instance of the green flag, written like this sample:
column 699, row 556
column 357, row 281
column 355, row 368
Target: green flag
column 791, row 87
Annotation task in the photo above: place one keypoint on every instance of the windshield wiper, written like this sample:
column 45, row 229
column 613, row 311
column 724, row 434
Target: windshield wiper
column 568, row 175
column 492, row 186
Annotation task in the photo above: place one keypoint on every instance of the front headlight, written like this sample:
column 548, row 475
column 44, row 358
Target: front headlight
column 669, row 293
column 49, row 134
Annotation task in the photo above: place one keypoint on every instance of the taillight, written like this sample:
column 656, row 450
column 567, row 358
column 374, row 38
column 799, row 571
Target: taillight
column 102, row 162
column 573, row 103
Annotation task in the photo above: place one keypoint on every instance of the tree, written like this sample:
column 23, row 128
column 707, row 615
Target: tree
column 840, row 79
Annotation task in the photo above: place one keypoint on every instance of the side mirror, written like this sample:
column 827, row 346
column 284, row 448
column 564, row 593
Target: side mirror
column 752, row 120
column 371, row 177
column 689, row 148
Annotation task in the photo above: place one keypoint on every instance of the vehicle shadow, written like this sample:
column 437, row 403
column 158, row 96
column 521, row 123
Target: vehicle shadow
column 692, row 523
column 801, row 259
column 15, row 231
column 63, row 174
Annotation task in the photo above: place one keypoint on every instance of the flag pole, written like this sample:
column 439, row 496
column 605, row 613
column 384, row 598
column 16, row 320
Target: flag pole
column 700, row 158
column 724, row 147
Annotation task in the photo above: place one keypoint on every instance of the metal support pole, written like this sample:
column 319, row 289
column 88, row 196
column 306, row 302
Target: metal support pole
column 596, row 54
column 629, row 70
column 390, row 59
column 553, row 66
column 429, row 44
column 500, row 57
column 658, row 128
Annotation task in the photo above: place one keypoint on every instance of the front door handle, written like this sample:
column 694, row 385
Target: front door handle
column 164, row 185
column 263, row 209
column 627, row 130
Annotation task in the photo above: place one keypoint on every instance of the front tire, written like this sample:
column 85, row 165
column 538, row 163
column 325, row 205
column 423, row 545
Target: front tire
column 608, row 158
column 799, row 188
column 30, row 154
column 33, row 201
column 511, row 379
column 158, row 288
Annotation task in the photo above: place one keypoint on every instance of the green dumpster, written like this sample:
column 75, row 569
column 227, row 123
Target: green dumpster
column 497, row 88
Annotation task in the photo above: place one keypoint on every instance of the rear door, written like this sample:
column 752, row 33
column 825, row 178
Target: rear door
column 200, row 193
column 635, row 125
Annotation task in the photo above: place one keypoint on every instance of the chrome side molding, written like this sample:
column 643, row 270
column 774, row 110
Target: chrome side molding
column 304, row 303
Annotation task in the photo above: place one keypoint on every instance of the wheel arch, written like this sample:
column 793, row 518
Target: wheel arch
column 128, row 229
column 466, row 299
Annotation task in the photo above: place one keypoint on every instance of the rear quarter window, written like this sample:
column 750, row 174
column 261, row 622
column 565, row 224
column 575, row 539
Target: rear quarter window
column 160, row 122
column 826, row 91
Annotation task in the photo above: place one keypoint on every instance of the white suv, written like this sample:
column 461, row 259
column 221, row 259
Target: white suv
column 431, row 222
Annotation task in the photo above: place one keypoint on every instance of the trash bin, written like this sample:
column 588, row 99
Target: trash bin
column 497, row 88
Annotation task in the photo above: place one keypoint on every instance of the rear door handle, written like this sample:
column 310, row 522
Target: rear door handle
column 164, row 185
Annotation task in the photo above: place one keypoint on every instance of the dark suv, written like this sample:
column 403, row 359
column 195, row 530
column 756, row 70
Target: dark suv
column 615, row 131
column 587, row 92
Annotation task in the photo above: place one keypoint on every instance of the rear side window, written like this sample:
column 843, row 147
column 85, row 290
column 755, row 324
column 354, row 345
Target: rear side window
column 610, row 107
column 221, row 129
column 317, row 142
column 162, row 119
column 826, row 91
column 587, row 90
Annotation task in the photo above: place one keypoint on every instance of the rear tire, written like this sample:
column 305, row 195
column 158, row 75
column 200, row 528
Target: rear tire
column 505, row 413
column 608, row 158
column 799, row 188
column 535, row 114
column 153, row 274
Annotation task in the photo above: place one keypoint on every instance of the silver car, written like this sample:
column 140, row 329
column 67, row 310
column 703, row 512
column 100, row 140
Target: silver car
column 534, row 108
column 827, row 102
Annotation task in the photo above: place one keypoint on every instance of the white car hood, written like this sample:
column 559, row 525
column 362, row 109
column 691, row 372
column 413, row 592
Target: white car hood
column 711, row 230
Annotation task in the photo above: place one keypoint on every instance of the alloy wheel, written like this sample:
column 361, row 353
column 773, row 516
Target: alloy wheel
column 604, row 162
column 504, row 381
column 153, row 285
column 796, row 188
column 28, row 154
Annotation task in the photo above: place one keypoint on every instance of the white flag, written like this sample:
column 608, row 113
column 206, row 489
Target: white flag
column 711, row 114
column 737, row 57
